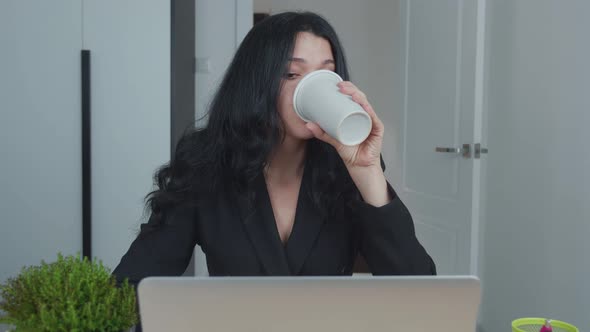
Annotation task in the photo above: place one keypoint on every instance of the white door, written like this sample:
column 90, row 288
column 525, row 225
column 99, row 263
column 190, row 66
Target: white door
column 439, row 103
column 40, row 125
column 130, row 48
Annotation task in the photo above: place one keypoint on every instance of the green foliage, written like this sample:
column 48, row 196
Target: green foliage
column 71, row 294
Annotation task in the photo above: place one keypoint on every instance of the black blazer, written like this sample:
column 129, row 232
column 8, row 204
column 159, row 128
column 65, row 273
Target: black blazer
column 242, row 241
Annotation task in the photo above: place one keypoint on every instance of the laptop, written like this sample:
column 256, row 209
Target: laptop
column 309, row 304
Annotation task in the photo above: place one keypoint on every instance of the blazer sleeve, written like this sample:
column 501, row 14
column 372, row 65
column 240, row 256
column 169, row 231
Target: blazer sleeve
column 160, row 249
column 388, row 240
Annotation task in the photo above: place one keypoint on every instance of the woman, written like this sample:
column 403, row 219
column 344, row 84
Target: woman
column 264, row 193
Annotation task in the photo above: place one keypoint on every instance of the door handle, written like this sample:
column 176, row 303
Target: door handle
column 86, row 155
column 465, row 151
column 449, row 150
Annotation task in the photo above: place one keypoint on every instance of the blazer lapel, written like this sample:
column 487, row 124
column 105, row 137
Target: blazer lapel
column 306, row 228
column 261, row 227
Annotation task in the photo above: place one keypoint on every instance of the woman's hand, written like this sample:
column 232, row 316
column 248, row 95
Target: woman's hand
column 363, row 161
column 367, row 153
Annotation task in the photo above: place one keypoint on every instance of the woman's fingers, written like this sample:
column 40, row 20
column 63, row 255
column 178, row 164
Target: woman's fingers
column 360, row 98
column 320, row 134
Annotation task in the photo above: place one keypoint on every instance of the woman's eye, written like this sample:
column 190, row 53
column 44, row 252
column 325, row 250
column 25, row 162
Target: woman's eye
column 291, row 76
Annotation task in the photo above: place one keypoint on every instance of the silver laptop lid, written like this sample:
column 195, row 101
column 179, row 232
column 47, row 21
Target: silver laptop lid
column 296, row 304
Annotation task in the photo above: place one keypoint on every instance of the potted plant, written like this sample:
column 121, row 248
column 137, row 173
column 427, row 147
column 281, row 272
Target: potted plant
column 71, row 294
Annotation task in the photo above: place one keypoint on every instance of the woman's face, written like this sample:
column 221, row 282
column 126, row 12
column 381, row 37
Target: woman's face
column 311, row 53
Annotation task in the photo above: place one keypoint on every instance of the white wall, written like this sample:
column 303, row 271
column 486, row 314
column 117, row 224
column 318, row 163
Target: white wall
column 538, row 218
column 262, row 6
column 383, row 48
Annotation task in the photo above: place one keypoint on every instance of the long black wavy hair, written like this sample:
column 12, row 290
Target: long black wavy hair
column 244, row 125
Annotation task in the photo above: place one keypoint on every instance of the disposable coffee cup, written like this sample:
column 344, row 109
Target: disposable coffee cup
column 317, row 99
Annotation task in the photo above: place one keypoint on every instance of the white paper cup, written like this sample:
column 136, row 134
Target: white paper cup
column 317, row 99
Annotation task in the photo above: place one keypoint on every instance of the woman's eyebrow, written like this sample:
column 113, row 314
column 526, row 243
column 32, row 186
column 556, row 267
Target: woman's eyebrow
column 301, row 60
